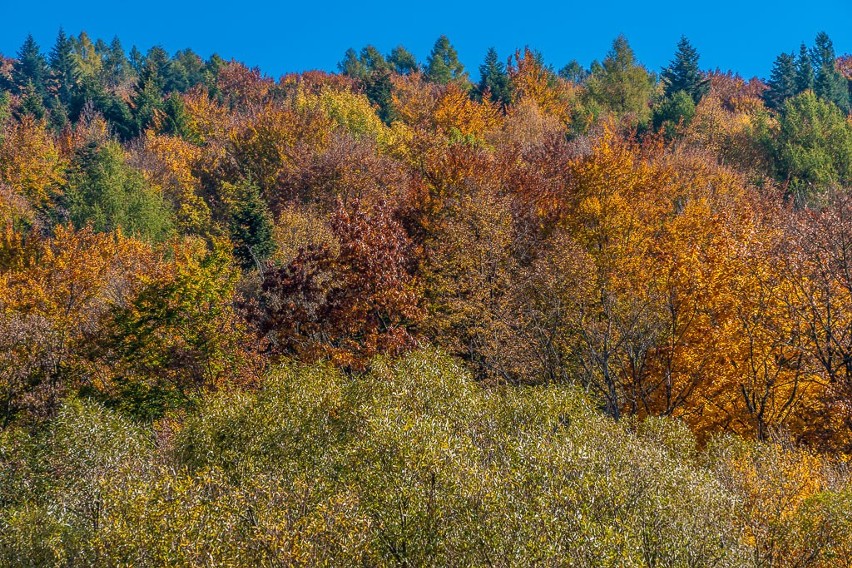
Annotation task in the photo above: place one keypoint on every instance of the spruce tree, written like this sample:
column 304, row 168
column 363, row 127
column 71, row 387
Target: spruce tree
column 443, row 65
column 62, row 68
column 494, row 79
column 804, row 70
column 683, row 73
column 829, row 84
column 782, row 82
column 30, row 68
column 250, row 226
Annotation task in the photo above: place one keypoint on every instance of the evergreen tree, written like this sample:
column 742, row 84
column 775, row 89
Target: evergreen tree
column 62, row 68
column 574, row 72
column 494, row 79
column 782, row 82
column 829, row 83
column 137, row 60
column 673, row 112
column 804, row 70
column 148, row 98
column 683, row 73
column 443, row 65
column 373, row 72
column 250, row 226
column 30, row 68
column 351, row 66
column 403, row 61
column 116, row 67
column 32, row 102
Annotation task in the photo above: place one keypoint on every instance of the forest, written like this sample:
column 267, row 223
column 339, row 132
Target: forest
column 412, row 314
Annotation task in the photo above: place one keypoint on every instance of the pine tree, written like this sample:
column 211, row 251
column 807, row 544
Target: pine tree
column 782, row 82
column 494, row 79
column 683, row 73
column 443, row 65
column 804, row 70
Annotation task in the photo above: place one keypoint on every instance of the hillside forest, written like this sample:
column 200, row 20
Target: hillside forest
column 412, row 314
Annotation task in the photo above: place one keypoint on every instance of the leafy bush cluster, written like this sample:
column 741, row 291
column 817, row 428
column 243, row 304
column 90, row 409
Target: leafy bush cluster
column 412, row 464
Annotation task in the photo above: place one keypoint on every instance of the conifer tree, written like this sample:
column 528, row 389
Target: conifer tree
column 683, row 73
column 782, row 82
column 804, row 70
column 443, row 65
column 30, row 68
column 829, row 84
column 494, row 79
column 620, row 83
column 250, row 226
column 62, row 67
column 403, row 61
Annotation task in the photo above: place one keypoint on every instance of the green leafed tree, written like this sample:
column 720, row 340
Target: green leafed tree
column 814, row 147
column 62, row 68
column 443, row 65
column 106, row 193
column 30, row 68
column 828, row 82
column 621, row 84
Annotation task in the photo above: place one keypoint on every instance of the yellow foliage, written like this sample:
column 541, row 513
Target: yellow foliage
column 30, row 163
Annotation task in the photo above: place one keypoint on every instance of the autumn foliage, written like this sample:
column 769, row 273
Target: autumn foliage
column 668, row 262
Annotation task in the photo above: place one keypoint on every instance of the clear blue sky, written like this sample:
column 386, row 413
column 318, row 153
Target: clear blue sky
column 283, row 36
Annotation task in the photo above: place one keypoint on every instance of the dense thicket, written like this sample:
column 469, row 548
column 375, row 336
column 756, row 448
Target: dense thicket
column 206, row 276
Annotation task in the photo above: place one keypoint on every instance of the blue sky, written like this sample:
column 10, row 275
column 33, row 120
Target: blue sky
column 289, row 36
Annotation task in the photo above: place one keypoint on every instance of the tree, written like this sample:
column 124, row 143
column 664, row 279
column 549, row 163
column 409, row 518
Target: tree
column 443, row 65
column 622, row 85
column 177, row 336
column 674, row 112
column 829, row 83
column 31, row 164
column 494, row 80
column 814, row 147
column 346, row 305
column 30, row 68
column 116, row 67
column 250, row 225
column 62, row 67
column 782, row 82
column 804, row 70
column 574, row 72
column 683, row 73
column 106, row 193
column 403, row 61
